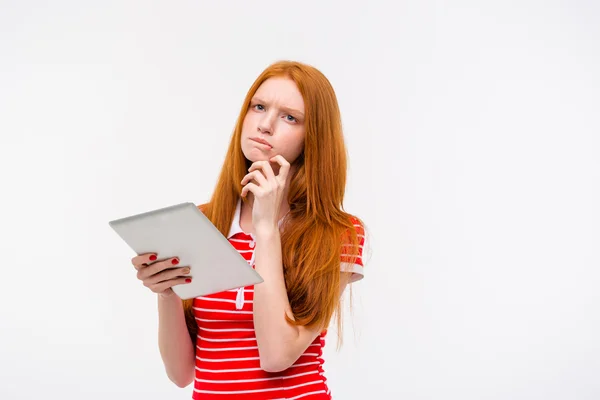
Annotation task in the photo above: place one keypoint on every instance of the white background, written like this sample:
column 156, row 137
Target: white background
column 473, row 134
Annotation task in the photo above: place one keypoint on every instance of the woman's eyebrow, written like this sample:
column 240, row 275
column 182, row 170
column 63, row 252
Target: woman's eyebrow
column 293, row 111
column 288, row 109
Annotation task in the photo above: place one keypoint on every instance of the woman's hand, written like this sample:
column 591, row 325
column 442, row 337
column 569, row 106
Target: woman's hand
column 268, row 190
column 160, row 276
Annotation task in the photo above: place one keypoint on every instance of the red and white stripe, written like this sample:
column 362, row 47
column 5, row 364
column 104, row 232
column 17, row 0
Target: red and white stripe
column 227, row 359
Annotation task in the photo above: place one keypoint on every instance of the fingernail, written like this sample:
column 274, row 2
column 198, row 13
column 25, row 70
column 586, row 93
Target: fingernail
column 152, row 257
column 175, row 261
column 186, row 271
column 188, row 280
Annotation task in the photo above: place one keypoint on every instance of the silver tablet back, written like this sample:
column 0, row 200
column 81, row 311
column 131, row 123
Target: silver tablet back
column 183, row 231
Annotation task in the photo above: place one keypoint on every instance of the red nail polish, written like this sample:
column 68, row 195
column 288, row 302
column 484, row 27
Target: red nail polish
column 152, row 257
column 188, row 280
column 175, row 261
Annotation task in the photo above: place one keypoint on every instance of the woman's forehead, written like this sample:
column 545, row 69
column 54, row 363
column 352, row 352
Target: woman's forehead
column 281, row 92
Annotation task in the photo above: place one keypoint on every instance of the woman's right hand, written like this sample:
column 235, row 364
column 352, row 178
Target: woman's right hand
column 160, row 276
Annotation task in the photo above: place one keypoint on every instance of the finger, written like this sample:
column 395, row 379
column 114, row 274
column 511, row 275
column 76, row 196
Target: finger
column 141, row 259
column 284, row 167
column 266, row 169
column 166, row 275
column 257, row 176
column 257, row 165
column 161, row 287
column 157, row 267
column 250, row 187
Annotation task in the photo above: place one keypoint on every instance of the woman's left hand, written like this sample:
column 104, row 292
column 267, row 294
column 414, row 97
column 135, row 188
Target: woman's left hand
column 268, row 190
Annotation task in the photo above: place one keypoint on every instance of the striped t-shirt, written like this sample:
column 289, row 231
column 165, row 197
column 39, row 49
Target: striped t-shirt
column 227, row 359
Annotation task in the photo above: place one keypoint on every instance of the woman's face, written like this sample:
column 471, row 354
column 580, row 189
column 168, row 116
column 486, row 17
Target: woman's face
column 274, row 123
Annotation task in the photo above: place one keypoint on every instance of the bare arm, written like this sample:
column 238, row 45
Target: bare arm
column 176, row 347
column 279, row 342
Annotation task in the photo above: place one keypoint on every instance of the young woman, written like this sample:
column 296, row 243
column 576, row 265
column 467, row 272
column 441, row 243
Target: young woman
column 279, row 201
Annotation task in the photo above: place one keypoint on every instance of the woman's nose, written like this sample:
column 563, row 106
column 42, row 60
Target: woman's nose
column 265, row 125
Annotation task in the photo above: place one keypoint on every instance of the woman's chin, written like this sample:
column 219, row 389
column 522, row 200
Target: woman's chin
column 255, row 155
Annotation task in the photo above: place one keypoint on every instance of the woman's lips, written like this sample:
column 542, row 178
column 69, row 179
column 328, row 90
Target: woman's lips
column 261, row 141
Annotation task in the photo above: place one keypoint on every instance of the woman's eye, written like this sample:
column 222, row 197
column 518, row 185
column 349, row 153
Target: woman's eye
column 259, row 107
column 291, row 118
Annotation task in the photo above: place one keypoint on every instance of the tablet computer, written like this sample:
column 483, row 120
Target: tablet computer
column 183, row 231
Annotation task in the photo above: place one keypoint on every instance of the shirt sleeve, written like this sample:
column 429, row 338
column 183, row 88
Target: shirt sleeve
column 355, row 266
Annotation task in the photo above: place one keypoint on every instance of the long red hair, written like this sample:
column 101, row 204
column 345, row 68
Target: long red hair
column 317, row 230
